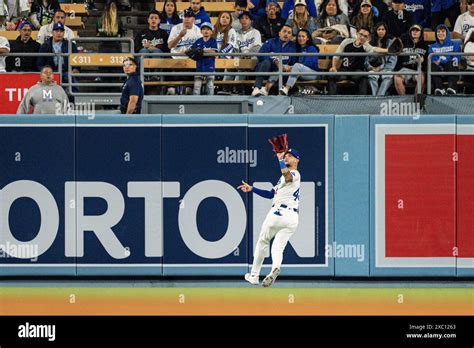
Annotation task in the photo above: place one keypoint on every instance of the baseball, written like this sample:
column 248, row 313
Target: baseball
column 259, row 102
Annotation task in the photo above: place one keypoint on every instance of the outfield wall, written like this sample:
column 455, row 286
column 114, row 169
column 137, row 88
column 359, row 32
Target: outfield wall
column 156, row 194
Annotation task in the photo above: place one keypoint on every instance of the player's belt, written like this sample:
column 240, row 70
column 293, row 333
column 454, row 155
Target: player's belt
column 284, row 206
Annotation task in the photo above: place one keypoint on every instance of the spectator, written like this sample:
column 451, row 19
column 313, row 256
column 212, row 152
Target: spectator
column 442, row 10
column 270, row 23
column 224, row 34
column 420, row 10
column 465, row 22
column 109, row 26
column 365, row 17
column 226, row 38
column 379, row 8
column 57, row 44
column 380, row 63
column 205, row 64
column 413, row 42
column 301, row 19
column 90, row 5
column 42, row 12
column 444, row 63
column 342, row 4
column 308, row 64
column 258, row 8
column 289, row 7
column 281, row 44
column 4, row 48
column 13, row 12
column 169, row 16
column 152, row 39
column 353, row 63
column 249, row 41
column 469, row 48
column 183, row 35
column 330, row 14
column 239, row 7
column 398, row 19
column 46, row 31
column 23, row 44
column 46, row 97
column 200, row 14
column 132, row 90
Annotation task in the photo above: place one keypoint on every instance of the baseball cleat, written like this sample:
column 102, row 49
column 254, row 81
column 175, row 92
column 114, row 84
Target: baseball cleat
column 270, row 279
column 252, row 279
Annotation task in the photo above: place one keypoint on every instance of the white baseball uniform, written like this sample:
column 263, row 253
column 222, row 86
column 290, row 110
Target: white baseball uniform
column 281, row 222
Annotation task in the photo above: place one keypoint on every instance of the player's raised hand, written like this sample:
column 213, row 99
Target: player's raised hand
column 245, row 187
column 280, row 155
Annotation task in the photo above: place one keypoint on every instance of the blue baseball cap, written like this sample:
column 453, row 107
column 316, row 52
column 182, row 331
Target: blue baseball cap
column 294, row 153
column 24, row 24
column 208, row 25
column 58, row 26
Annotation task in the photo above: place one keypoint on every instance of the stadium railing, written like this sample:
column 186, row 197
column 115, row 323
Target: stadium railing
column 460, row 72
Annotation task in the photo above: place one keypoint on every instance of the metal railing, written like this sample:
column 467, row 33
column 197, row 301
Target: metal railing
column 88, row 84
column 445, row 73
column 278, row 73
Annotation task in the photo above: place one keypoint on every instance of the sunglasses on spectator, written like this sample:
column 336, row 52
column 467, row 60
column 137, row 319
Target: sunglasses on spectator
column 196, row 3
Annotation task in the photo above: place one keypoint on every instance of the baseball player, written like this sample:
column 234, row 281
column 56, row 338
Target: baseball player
column 281, row 220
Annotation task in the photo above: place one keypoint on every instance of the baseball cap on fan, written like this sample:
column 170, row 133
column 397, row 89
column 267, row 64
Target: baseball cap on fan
column 189, row 12
column 58, row 26
column 294, row 153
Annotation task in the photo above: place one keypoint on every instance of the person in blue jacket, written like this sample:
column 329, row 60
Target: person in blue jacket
column 440, row 63
column 289, row 5
column 305, row 64
column 281, row 44
column 205, row 64
column 200, row 14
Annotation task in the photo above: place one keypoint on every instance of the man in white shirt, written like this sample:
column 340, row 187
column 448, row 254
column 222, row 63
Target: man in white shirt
column 4, row 48
column 464, row 22
column 183, row 35
column 46, row 31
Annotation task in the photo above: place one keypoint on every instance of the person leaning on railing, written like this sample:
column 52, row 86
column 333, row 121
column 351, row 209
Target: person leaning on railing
column 353, row 63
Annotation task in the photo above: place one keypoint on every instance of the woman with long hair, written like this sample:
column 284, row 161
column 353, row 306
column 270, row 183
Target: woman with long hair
column 109, row 26
column 169, row 16
column 224, row 34
column 305, row 64
column 226, row 38
column 300, row 18
column 382, row 39
column 42, row 12
column 331, row 14
column 365, row 17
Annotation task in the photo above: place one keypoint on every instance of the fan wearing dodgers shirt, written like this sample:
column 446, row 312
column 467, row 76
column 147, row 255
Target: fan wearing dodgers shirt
column 183, row 35
column 282, row 219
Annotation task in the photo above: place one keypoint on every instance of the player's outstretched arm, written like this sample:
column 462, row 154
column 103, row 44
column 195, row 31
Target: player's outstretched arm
column 262, row 193
column 284, row 169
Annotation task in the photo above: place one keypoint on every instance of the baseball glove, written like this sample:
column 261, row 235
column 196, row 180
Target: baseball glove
column 396, row 46
column 279, row 143
column 196, row 53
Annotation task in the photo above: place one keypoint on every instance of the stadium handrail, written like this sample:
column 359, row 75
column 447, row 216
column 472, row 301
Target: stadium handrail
column 431, row 73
